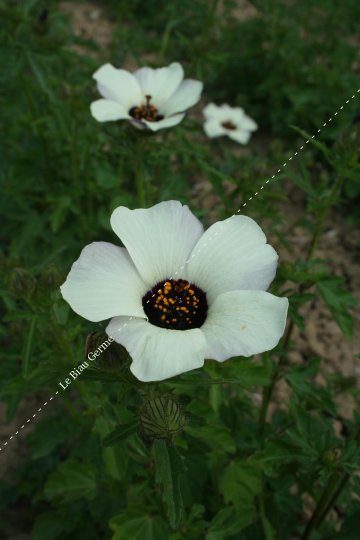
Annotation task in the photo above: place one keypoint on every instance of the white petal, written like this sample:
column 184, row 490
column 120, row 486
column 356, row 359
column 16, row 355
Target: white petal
column 239, row 135
column 232, row 255
column 159, row 239
column 243, row 323
column 104, row 110
column 248, row 123
column 213, row 128
column 243, row 121
column 165, row 123
column 231, row 112
column 158, row 353
column 104, row 283
column 212, row 112
column 160, row 83
column 118, row 85
column 187, row 94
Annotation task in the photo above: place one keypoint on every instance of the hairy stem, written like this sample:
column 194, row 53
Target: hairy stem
column 340, row 488
column 321, row 506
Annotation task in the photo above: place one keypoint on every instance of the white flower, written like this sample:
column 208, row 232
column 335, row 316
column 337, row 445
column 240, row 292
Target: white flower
column 226, row 120
column 153, row 98
column 213, row 306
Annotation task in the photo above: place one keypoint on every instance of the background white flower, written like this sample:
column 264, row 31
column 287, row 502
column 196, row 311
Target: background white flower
column 153, row 98
column 231, row 121
column 215, row 306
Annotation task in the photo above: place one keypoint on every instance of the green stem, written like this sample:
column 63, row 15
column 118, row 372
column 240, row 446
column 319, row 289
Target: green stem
column 209, row 20
column 264, row 521
column 344, row 480
column 140, row 185
column 321, row 506
column 268, row 391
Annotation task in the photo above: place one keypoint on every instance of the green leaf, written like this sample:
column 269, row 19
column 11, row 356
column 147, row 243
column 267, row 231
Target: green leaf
column 278, row 453
column 240, row 484
column 96, row 374
column 300, row 380
column 315, row 142
column 248, row 374
column 215, row 434
column 168, row 471
column 61, row 311
column 39, row 75
column 121, row 433
column 338, row 299
column 49, row 433
column 136, row 524
column 226, row 523
column 71, row 481
column 28, row 347
column 49, row 525
column 304, row 181
column 350, row 527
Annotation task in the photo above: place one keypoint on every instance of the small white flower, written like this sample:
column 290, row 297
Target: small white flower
column 152, row 98
column 230, row 121
column 213, row 306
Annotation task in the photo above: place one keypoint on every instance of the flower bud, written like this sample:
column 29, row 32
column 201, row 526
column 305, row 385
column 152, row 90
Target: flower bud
column 331, row 457
column 161, row 418
column 21, row 283
column 108, row 355
column 51, row 277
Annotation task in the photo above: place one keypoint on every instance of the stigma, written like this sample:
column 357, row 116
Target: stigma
column 175, row 304
column 147, row 111
column 228, row 125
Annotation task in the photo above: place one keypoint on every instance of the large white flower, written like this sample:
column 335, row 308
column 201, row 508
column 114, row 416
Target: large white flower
column 230, row 121
column 152, row 98
column 178, row 294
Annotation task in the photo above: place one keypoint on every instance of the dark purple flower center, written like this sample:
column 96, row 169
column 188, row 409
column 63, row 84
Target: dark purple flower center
column 228, row 125
column 146, row 112
column 175, row 304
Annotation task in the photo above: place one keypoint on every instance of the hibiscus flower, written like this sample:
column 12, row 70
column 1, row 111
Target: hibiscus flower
column 230, row 121
column 149, row 98
column 178, row 295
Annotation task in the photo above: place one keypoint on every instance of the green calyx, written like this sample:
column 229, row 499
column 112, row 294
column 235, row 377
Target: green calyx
column 162, row 418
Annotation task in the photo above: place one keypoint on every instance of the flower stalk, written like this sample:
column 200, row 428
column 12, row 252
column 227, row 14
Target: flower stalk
column 140, row 185
column 322, row 507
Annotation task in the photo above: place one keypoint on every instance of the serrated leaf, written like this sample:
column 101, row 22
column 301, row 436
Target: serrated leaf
column 214, row 433
column 338, row 300
column 298, row 378
column 71, row 481
column 314, row 141
column 226, row 523
column 136, row 524
column 49, row 525
column 277, row 453
column 168, row 467
column 245, row 373
column 49, row 433
column 240, row 484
